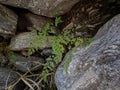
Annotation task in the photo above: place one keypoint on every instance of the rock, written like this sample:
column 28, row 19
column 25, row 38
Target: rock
column 49, row 8
column 7, row 76
column 37, row 21
column 104, row 30
column 28, row 21
column 25, row 64
column 3, row 60
column 46, row 52
column 97, row 67
column 8, row 22
column 23, row 41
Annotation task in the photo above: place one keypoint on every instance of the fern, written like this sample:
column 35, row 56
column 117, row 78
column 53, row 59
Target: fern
column 60, row 44
column 58, row 21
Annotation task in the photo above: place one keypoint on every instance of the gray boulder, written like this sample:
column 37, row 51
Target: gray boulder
column 8, row 22
column 7, row 76
column 32, row 21
column 37, row 21
column 96, row 67
column 49, row 8
column 23, row 41
column 25, row 64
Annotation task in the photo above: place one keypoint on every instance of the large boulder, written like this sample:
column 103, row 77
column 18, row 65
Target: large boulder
column 49, row 8
column 8, row 22
column 97, row 67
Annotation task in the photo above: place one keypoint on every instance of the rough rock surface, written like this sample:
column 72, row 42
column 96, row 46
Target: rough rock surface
column 37, row 21
column 49, row 8
column 46, row 52
column 97, row 67
column 23, row 41
column 3, row 60
column 8, row 22
column 26, row 64
column 6, row 77
column 30, row 21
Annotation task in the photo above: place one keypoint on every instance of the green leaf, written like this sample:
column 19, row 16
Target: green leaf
column 44, row 75
column 57, row 21
column 12, row 56
column 66, row 65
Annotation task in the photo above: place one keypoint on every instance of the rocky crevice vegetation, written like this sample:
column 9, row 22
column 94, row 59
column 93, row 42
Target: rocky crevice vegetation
column 43, row 45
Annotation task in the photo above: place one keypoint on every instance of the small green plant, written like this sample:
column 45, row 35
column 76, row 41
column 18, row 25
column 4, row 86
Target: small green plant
column 12, row 56
column 5, row 49
column 57, row 21
column 60, row 45
column 39, row 39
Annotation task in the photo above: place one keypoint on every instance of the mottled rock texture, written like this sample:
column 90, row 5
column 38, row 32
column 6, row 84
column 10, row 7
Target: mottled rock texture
column 6, row 77
column 8, row 22
column 23, row 41
column 49, row 8
column 96, row 67
column 3, row 60
column 37, row 21
column 26, row 64
column 30, row 21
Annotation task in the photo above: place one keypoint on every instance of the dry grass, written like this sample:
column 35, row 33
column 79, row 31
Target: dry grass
column 32, row 81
